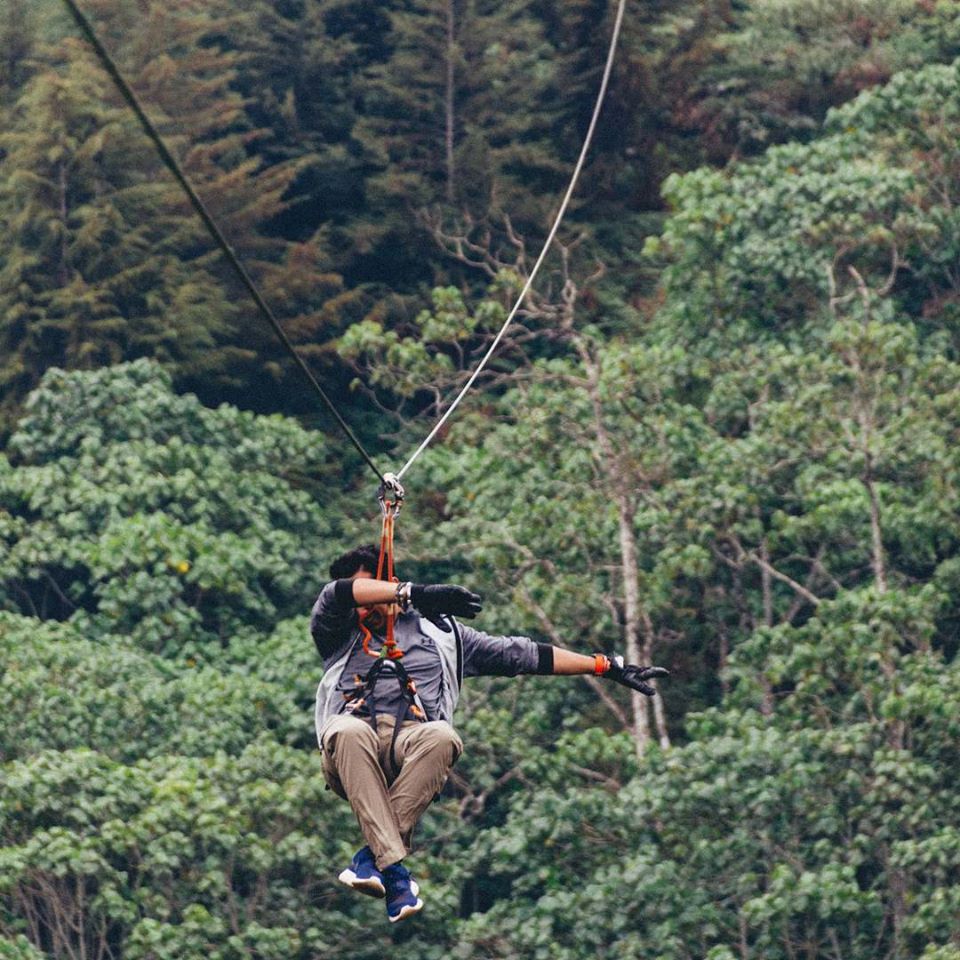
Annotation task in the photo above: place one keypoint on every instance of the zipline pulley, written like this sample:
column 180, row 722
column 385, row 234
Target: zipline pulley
column 390, row 495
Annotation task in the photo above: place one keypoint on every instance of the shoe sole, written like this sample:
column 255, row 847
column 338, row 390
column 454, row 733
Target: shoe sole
column 369, row 886
column 372, row 887
column 409, row 910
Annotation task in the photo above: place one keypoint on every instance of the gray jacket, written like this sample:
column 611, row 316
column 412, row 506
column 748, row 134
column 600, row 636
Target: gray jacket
column 462, row 651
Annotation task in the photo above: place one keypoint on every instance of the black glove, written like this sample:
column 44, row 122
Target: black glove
column 632, row 676
column 441, row 598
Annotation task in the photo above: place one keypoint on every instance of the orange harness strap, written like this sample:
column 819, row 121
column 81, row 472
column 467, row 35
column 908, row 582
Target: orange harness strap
column 391, row 501
column 390, row 508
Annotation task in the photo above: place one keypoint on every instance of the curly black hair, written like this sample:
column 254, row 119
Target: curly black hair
column 359, row 558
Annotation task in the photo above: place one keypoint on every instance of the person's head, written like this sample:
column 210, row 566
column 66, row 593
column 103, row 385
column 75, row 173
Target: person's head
column 349, row 564
column 361, row 562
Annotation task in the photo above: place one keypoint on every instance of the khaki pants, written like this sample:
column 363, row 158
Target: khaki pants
column 388, row 802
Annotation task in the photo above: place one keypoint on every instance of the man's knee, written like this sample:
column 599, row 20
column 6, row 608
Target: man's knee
column 348, row 746
column 348, row 736
column 438, row 735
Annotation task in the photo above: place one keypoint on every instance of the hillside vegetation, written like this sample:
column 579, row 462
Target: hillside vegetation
column 724, row 436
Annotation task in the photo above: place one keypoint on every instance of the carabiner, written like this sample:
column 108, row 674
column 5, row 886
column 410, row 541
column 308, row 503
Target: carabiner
column 390, row 495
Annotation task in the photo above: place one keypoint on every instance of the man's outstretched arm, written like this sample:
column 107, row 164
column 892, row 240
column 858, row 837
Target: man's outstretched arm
column 448, row 599
column 566, row 662
column 487, row 655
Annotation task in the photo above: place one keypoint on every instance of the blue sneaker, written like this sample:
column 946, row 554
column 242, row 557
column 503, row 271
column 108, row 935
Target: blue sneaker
column 402, row 892
column 363, row 876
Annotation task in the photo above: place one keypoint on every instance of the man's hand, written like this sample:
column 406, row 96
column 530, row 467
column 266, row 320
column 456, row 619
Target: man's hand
column 441, row 598
column 634, row 677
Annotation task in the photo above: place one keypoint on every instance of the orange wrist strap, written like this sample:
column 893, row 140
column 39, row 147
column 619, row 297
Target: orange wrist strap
column 601, row 664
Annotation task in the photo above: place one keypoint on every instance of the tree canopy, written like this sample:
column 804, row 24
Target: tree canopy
column 722, row 436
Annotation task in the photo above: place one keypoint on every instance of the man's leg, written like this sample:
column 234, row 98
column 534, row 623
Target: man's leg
column 425, row 753
column 351, row 764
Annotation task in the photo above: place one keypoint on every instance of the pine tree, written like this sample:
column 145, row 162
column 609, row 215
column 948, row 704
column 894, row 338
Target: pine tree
column 201, row 91
column 87, row 276
column 507, row 137
column 410, row 102
column 459, row 98
column 103, row 258
column 643, row 131
column 18, row 35
column 178, row 59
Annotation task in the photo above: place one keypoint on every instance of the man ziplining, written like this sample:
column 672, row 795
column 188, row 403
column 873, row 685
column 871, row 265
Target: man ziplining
column 385, row 730
column 394, row 658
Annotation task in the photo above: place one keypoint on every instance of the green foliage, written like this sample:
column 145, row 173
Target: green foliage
column 153, row 855
column 785, row 841
column 141, row 512
column 111, row 697
column 765, row 451
column 778, row 66
column 424, row 355
column 773, row 243
column 19, row 948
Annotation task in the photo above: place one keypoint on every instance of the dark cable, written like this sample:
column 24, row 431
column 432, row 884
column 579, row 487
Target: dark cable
column 210, row 223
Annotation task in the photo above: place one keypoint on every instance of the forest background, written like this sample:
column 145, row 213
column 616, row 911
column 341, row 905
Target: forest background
column 721, row 437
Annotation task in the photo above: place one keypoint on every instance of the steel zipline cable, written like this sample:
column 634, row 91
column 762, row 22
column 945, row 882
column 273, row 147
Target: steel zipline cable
column 389, row 481
column 601, row 95
column 211, row 224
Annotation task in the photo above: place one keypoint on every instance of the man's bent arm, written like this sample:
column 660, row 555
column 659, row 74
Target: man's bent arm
column 335, row 614
column 367, row 592
column 332, row 620
column 428, row 599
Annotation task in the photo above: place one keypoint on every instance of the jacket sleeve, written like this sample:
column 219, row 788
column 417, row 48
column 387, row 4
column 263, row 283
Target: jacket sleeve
column 487, row 656
column 333, row 618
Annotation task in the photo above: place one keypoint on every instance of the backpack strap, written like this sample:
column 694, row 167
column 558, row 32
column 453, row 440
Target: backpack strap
column 459, row 640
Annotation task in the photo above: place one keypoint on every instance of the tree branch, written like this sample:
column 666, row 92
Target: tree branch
column 784, row 578
column 613, row 785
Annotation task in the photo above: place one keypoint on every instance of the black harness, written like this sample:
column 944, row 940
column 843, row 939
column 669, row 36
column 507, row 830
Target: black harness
column 364, row 695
